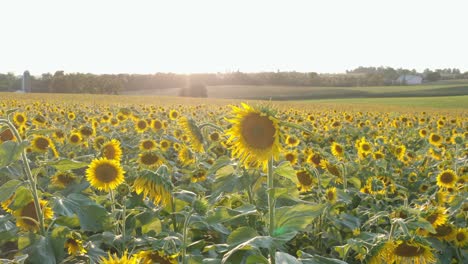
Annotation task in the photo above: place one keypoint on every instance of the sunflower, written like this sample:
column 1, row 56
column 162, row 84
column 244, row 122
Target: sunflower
column 111, row 150
column 436, row 216
column 447, row 179
column 156, row 125
column 26, row 217
column 337, row 150
column 305, row 180
column 42, row 144
column 292, row 141
column 19, row 119
column 114, row 259
column 445, row 232
column 86, row 131
column 214, row 136
column 331, row 168
column 74, row 246
column 461, row 237
column 186, row 156
column 254, row 135
column 105, row 174
column 71, row 116
column 291, row 157
column 98, row 142
column 6, row 135
column 435, row 139
column 409, row 250
column 141, row 126
column 147, row 144
column 330, row 195
column 174, row 114
column 63, row 179
column 193, row 134
column 315, row 159
column 150, row 159
column 6, row 204
column 423, row 133
column 164, row 144
column 199, row 175
column 154, row 187
column 75, row 138
column 423, row 187
column 400, row 152
column 151, row 256
column 58, row 135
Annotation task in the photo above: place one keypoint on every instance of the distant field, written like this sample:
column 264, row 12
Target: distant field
column 436, row 102
column 297, row 93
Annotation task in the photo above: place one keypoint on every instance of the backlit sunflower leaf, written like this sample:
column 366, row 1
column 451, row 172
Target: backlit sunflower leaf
column 41, row 251
column 240, row 235
column 286, row 170
column 290, row 219
column 253, row 244
column 421, row 223
column 282, row 257
column 8, row 188
column 10, row 152
column 23, row 196
column 224, row 214
column 257, row 259
column 219, row 163
column 66, row 164
column 316, row 259
column 40, row 132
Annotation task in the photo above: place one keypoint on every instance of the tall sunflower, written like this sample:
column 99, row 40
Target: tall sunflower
column 409, row 250
column 150, row 159
column 337, row 150
column 42, row 144
column 151, row 256
column 435, row 139
column 20, row 119
column 305, row 180
column 186, row 156
column 105, row 174
column 193, row 133
column 254, row 135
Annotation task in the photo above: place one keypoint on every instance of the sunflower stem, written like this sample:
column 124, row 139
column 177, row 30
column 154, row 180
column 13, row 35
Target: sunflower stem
column 210, row 125
column 288, row 124
column 184, row 237
column 173, row 216
column 111, row 193
column 31, row 179
column 271, row 208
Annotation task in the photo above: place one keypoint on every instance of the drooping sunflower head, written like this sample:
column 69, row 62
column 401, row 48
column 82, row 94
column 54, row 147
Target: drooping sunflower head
column 86, row 131
column 156, row 186
column 63, row 179
column 214, row 136
column 447, row 179
column 330, row 195
column 150, row 159
column 409, row 250
column 254, row 135
column 436, row 216
column 193, row 134
column 185, row 156
column 6, row 134
column 198, row 175
column 111, row 150
column 74, row 245
column 26, row 217
column 305, row 180
column 445, row 232
column 105, row 174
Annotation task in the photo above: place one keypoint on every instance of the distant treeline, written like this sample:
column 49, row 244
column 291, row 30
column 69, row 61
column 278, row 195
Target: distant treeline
column 61, row 82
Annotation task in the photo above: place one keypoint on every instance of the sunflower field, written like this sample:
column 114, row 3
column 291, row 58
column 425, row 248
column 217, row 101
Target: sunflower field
column 155, row 180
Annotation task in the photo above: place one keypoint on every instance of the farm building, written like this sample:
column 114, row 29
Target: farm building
column 409, row 79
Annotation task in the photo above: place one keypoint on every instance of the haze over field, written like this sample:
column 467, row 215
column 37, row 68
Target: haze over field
column 219, row 36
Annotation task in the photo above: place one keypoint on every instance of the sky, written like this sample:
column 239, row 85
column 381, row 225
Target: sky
column 325, row 36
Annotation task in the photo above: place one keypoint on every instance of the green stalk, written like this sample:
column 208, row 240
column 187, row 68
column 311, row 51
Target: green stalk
column 271, row 208
column 184, row 237
column 31, row 179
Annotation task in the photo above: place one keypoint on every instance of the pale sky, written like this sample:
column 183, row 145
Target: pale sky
column 217, row 36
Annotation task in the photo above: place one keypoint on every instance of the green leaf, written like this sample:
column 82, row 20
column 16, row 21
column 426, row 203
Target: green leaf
column 41, row 251
column 40, row 132
column 355, row 182
column 290, row 219
column 66, row 164
column 252, row 244
column 257, row 259
column 422, row 223
column 10, row 152
column 7, row 189
column 23, row 196
column 225, row 171
column 224, row 214
column 282, row 257
column 219, row 163
column 286, row 170
column 240, row 235
column 316, row 259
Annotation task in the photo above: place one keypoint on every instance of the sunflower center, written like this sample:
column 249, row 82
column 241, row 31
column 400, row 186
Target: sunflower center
column 65, row 179
column 443, row 230
column 446, row 177
column 258, row 131
column 432, row 218
column 74, row 139
column 289, row 157
column 405, row 250
column 149, row 159
column 338, row 149
column 29, row 211
column 164, row 144
column 435, row 138
column 20, row 119
column 330, row 195
column 141, row 124
column 460, row 236
column 304, row 178
column 365, row 147
column 148, row 144
column 157, row 125
column 109, row 152
column 316, row 159
column 106, row 173
column 42, row 143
